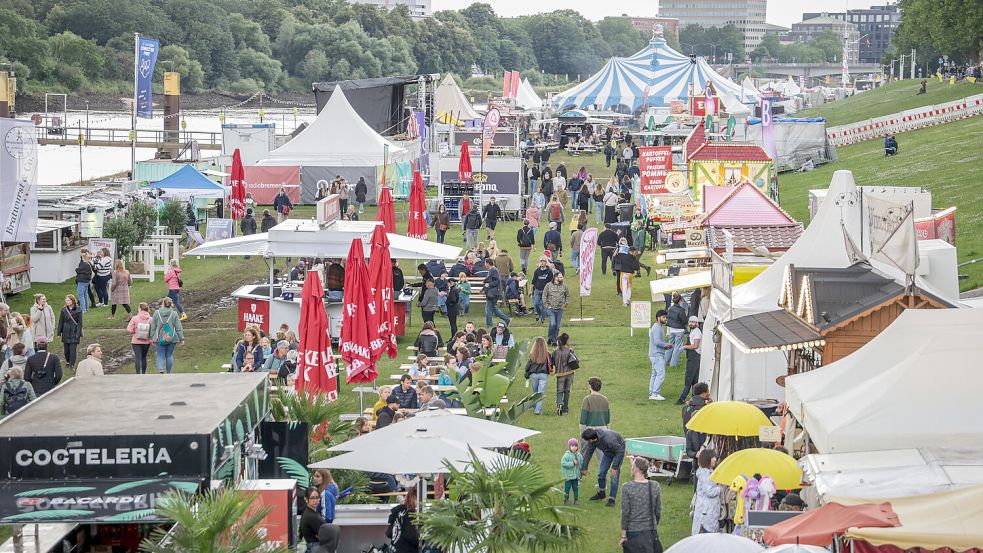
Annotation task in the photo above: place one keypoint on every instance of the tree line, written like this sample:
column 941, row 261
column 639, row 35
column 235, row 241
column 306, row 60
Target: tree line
column 245, row 45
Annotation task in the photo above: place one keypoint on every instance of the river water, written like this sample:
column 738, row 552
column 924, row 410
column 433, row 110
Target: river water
column 61, row 165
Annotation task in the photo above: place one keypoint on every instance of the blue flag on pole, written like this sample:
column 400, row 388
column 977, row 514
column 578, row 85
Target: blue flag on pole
column 146, row 62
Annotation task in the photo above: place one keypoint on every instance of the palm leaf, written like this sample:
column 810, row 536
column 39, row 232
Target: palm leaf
column 129, row 486
column 296, row 470
column 47, row 515
column 130, row 516
column 54, row 491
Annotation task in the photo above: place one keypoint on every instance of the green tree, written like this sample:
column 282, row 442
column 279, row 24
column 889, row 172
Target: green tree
column 510, row 507
column 262, row 68
column 315, row 66
column 192, row 75
column 67, row 48
column 952, row 27
column 620, row 36
column 218, row 521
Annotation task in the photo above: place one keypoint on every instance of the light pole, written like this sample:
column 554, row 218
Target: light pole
column 692, row 49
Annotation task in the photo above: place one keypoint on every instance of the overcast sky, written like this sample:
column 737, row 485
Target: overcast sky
column 780, row 12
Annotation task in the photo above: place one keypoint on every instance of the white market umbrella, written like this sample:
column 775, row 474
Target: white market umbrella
column 417, row 453
column 794, row 548
column 478, row 433
column 717, row 543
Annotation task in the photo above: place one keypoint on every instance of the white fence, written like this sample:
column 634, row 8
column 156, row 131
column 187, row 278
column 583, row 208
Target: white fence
column 909, row 120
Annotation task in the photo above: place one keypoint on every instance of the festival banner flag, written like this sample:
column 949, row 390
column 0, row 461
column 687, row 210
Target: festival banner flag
column 18, row 181
column 148, row 49
column 588, row 244
column 237, row 183
column 516, row 79
column 488, row 130
column 507, row 85
column 711, row 105
column 768, row 130
column 654, row 164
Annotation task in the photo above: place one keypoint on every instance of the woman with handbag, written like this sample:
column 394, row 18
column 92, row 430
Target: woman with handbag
column 70, row 329
column 641, row 510
column 441, row 222
column 174, row 284
column 565, row 363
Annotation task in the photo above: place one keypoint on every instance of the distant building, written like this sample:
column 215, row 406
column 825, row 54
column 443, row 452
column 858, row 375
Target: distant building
column 746, row 15
column 670, row 25
column 419, row 9
column 811, row 29
column 875, row 24
column 777, row 30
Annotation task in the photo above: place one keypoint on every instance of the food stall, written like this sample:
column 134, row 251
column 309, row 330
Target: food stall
column 15, row 267
column 326, row 238
column 72, row 467
column 55, row 254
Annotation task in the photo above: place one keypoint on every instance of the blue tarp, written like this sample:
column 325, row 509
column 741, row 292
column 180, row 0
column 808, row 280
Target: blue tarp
column 757, row 120
column 189, row 182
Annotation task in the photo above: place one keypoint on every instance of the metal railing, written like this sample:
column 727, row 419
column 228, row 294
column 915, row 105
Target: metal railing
column 56, row 135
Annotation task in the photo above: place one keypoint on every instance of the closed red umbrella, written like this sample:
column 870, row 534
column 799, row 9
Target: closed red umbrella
column 358, row 324
column 381, row 279
column 464, row 173
column 387, row 211
column 237, row 197
column 316, row 369
column 417, row 225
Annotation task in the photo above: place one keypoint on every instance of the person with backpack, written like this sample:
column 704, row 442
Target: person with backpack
column 471, row 224
column 493, row 292
column 248, row 224
column 565, row 362
column 70, row 328
column 174, row 284
column 554, row 212
column 16, row 391
column 538, row 368
column 166, row 331
column 402, row 531
column 139, row 328
column 43, row 369
column 92, row 364
column 17, row 359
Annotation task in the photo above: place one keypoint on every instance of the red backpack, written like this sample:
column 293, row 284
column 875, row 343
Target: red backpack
column 556, row 211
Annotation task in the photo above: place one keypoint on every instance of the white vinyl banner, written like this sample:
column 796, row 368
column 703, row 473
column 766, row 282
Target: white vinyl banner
column 588, row 244
column 18, row 181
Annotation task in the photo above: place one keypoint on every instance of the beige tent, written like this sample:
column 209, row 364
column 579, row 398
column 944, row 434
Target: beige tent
column 952, row 519
column 451, row 103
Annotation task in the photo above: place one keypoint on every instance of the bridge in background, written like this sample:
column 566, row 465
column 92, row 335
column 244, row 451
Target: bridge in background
column 806, row 70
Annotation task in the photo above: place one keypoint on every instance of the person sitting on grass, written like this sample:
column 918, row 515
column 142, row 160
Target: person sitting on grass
column 890, row 146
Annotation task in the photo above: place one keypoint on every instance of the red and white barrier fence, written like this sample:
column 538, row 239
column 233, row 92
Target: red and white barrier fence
column 909, row 120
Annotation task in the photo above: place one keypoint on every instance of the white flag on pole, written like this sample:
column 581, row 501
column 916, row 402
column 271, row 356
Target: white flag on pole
column 588, row 244
column 18, row 181
column 892, row 233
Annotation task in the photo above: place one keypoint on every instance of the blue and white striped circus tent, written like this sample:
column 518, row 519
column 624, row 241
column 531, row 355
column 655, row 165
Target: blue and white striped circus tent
column 658, row 72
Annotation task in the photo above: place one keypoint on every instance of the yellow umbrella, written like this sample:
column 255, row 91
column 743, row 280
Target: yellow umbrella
column 781, row 467
column 729, row 418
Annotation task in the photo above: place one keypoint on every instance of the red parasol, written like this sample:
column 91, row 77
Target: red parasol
column 359, row 325
column 464, row 172
column 417, row 225
column 381, row 280
column 316, row 369
column 387, row 212
column 237, row 197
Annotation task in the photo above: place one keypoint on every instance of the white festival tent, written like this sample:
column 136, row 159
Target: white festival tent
column 527, row 98
column 821, row 245
column 338, row 142
column 913, row 384
column 306, row 238
column 450, row 100
column 654, row 76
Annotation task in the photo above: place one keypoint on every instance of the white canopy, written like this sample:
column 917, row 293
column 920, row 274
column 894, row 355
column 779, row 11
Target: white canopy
column 450, row 100
column 413, row 453
column 306, row 238
column 669, row 285
column 893, row 472
column 748, row 86
column 527, row 97
column 821, row 245
column 913, row 384
column 338, row 137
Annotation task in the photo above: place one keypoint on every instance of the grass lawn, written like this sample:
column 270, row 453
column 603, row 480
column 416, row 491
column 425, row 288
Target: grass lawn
column 946, row 159
column 891, row 98
column 605, row 347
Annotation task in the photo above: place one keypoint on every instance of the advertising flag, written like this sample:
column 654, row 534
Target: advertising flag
column 488, row 130
column 768, row 130
column 507, row 85
column 237, row 182
column 18, row 181
column 147, row 49
column 516, row 79
column 711, row 107
column 316, row 369
column 654, row 164
column 588, row 244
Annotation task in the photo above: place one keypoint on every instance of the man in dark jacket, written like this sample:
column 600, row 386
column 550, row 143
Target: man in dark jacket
column 282, row 205
column 678, row 321
column 361, row 190
column 612, row 448
column 540, row 278
column 607, row 240
column 248, row 224
column 526, row 239
column 458, row 269
column 405, row 393
column 491, row 213
column 398, row 280
column 471, row 224
column 436, row 267
column 43, row 369
column 694, row 440
column 493, row 292
column 386, row 414
column 552, row 239
column 268, row 221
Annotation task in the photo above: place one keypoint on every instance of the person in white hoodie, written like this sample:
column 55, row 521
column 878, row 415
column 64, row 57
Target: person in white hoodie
column 43, row 318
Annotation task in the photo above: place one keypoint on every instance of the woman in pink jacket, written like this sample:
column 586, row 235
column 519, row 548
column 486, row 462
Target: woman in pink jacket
column 139, row 328
column 173, row 279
